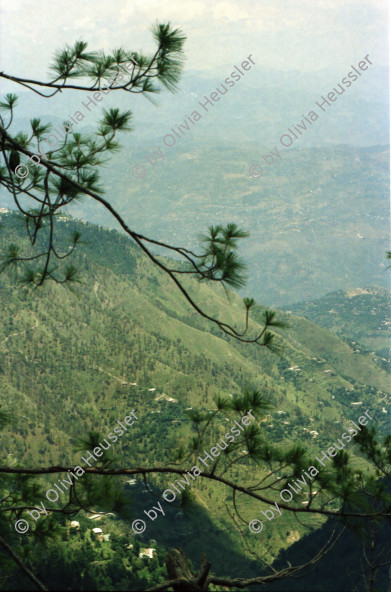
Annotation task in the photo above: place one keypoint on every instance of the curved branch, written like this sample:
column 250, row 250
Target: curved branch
column 210, row 476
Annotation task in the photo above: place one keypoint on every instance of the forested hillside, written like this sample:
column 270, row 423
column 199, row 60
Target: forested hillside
column 122, row 339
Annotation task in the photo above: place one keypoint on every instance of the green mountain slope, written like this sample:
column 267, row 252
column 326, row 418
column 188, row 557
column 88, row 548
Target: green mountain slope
column 73, row 362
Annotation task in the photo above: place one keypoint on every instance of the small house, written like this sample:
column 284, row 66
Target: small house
column 98, row 533
column 147, row 553
column 74, row 526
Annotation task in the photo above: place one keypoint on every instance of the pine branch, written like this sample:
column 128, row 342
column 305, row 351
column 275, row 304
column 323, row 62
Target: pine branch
column 209, row 476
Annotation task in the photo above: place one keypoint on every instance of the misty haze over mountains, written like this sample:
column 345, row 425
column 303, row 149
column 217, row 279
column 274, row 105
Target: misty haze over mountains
column 296, row 240
column 261, row 107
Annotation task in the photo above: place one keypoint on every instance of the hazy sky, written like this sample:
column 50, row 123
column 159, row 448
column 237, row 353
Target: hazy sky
column 280, row 34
